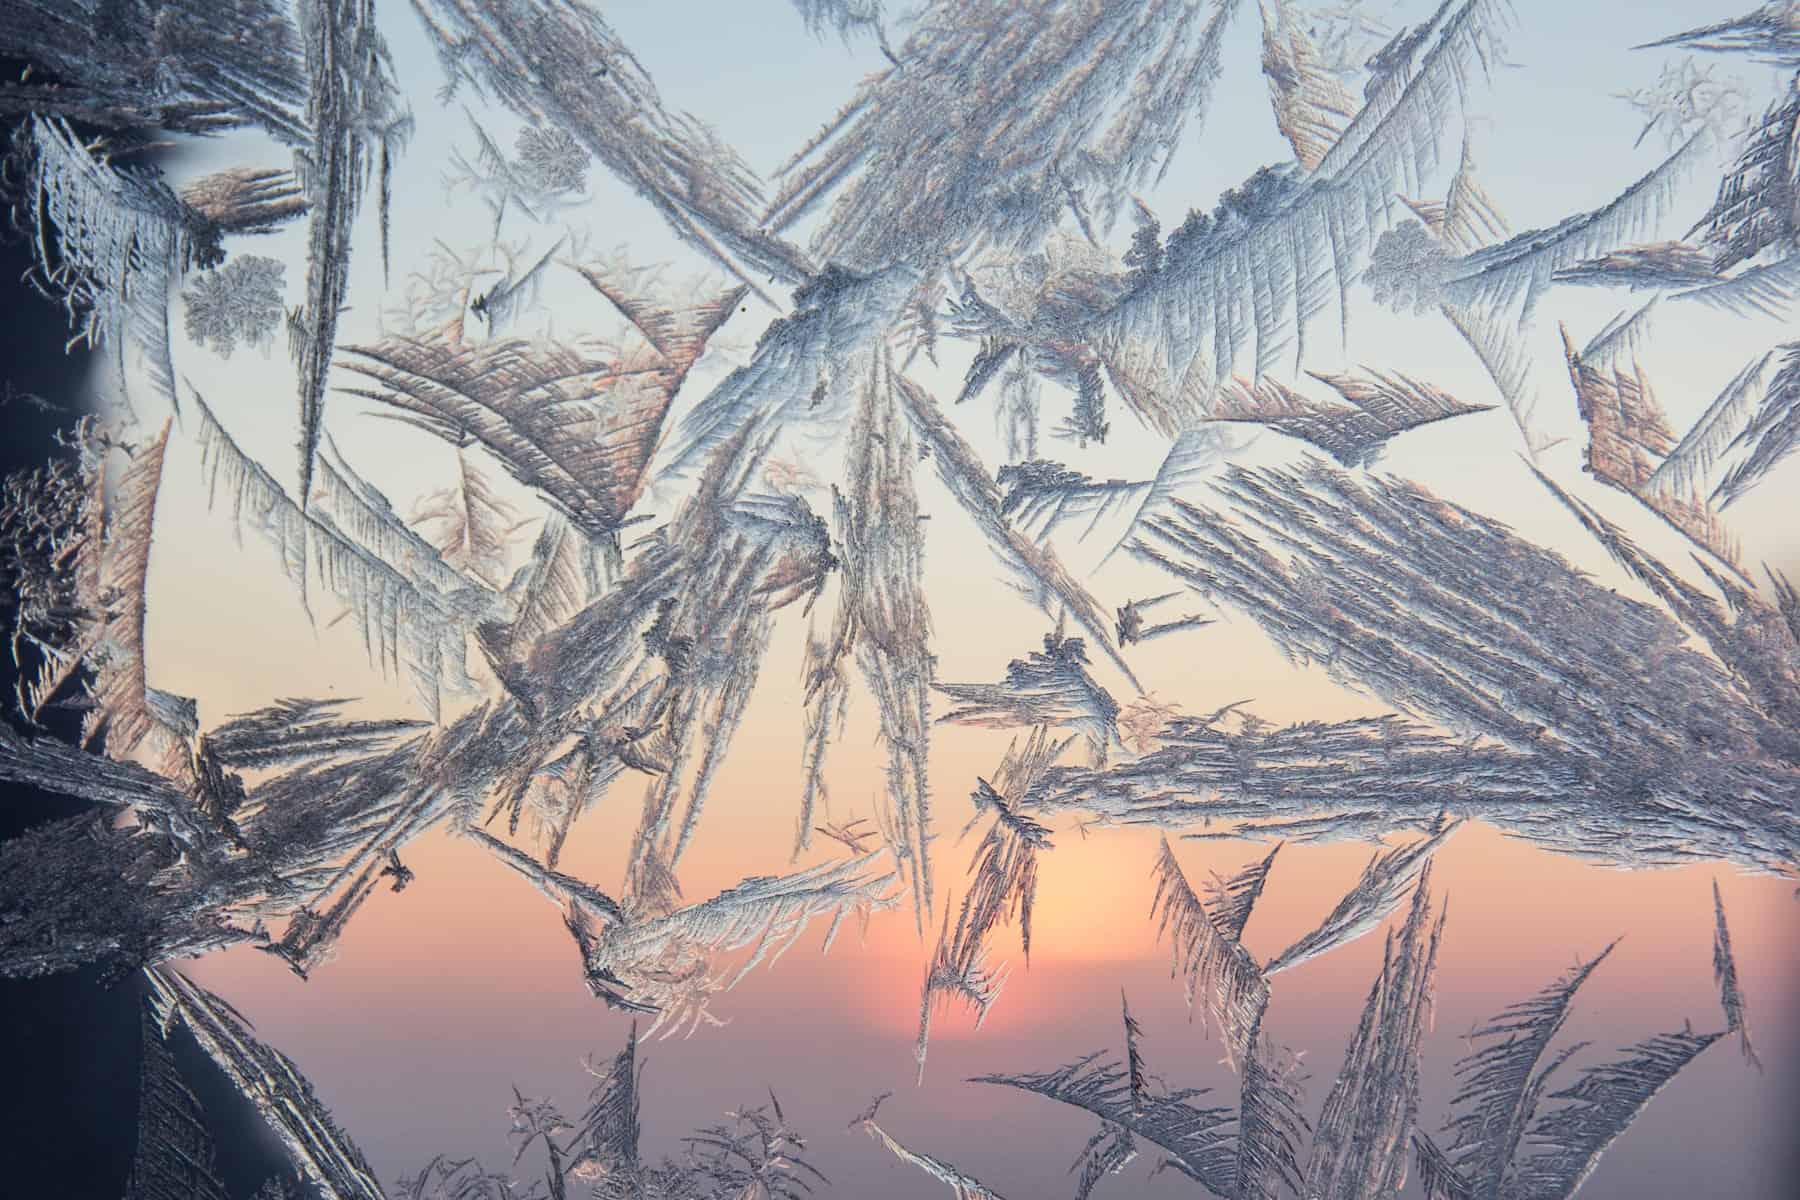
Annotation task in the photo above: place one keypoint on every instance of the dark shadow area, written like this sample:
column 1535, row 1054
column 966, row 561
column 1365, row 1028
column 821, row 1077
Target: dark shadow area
column 71, row 1045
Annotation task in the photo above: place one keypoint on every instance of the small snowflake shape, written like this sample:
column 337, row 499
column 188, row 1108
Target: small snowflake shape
column 1408, row 268
column 241, row 300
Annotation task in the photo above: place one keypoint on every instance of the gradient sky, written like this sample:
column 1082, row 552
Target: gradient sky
column 442, row 998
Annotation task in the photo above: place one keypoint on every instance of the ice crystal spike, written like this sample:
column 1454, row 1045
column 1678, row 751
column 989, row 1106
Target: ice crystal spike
column 1037, row 567
column 1599, row 1106
column 1731, row 997
column 923, row 200
column 1210, row 962
column 247, row 199
column 754, row 1152
column 1353, row 430
column 1312, row 106
column 576, row 427
column 416, row 611
column 1195, row 1138
column 1270, row 1125
column 1049, row 688
column 1003, row 889
column 1499, row 1082
column 209, row 79
column 317, row 1147
column 845, row 17
column 883, row 622
column 1359, row 1146
column 1231, row 900
column 356, row 125
column 1490, row 295
column 1630, row 445
column 1554, row 703
column 559, row 63
column 1375, row 894
column 962, row 1187
column 661, row 959
column 1284, row 248
column 121, row 240
column 174, row 1159
column 1770, row 33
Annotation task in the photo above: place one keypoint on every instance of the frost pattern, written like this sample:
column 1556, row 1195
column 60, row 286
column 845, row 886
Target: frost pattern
column 622, row 557
column 241, row 300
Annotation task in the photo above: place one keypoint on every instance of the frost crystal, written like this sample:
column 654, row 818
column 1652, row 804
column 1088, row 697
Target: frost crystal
column 552, row 161
column 1407, row 269
column 1685, row 99
column 241, row 300
column 663, row 485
